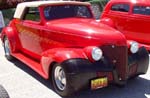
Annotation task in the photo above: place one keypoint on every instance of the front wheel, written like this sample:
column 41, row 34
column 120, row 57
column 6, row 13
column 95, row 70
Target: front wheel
column 7, row 49
column 60, row 81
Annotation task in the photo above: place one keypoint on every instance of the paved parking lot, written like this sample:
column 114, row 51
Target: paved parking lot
column 22, row 82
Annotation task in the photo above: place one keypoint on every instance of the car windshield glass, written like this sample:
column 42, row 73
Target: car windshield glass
column 66, row 11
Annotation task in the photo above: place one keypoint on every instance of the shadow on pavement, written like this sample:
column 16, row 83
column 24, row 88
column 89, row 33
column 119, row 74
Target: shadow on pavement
column 135, row 88
column 32, row 73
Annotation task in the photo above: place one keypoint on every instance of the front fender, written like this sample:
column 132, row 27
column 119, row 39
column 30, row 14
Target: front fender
column 59, row 55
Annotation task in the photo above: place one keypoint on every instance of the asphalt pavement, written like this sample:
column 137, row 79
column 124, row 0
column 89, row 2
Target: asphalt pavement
column 22, row 82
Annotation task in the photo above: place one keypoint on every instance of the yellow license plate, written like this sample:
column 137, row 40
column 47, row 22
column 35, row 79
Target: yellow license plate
column 99, row 83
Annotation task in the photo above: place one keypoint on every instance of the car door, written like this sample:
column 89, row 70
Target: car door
column 138, row 24
column 29, row 33
column 119, row 14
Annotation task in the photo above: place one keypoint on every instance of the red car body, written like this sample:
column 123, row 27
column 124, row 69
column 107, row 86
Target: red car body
column 131, row 17
column 79, row 48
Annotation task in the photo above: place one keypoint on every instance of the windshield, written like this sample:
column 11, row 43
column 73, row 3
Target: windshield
column 66, row 11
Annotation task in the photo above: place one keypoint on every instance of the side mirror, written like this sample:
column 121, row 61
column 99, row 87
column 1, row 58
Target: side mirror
column 2, row 23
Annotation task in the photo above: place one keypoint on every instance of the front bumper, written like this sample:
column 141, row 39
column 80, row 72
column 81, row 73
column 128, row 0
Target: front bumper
column 81, row 71
column 138, row 63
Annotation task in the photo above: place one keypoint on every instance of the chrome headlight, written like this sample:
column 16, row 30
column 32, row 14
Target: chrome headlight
column 134, row 47
column 96, row 54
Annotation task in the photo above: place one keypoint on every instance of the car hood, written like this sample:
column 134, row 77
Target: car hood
column 89, row 29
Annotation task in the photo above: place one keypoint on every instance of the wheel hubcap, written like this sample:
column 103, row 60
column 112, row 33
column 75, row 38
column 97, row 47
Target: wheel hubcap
column 60, row 78
column 7, row 48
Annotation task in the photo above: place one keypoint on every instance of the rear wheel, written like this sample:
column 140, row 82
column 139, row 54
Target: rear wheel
column 7, row 49
column 3, row 92
column 60, row 81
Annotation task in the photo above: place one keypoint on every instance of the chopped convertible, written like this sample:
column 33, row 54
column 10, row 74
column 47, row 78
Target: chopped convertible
column 63, row 41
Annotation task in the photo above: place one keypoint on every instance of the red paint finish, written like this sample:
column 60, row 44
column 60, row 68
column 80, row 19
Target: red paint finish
column 39, row 44
column 134, row 23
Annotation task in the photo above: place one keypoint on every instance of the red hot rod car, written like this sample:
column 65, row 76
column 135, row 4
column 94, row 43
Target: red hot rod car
column 62, row 41
column 131, row 17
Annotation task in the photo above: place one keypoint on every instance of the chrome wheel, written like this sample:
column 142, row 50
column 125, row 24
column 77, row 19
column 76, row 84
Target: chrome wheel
column 60, row 78
column 7, row 47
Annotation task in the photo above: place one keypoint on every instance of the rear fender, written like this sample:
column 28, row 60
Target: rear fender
column 59, row 55
column 12, row 37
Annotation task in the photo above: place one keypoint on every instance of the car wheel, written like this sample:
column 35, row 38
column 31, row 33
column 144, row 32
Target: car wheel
column 3, row 92
column 7, row 49
column 60, row 81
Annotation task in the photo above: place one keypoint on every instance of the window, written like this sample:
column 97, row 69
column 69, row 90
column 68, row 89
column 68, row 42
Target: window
column 144, row 10
column 66, row 11
column 8, row 14
column 32, row 14
column 120, row 7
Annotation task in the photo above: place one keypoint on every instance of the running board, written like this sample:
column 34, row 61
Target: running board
column 31, row 63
